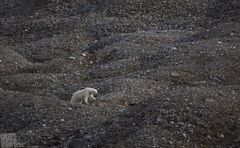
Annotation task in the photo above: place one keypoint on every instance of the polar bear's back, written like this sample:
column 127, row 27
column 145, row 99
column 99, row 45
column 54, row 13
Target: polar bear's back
column 78, row 91
column 77, row 96
column 92, row 90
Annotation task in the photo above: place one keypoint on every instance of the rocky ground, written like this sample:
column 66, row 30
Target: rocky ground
column 167, row 72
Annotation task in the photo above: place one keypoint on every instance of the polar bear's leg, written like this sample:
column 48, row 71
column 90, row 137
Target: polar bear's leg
column 92, row 97
column 76, row 103
column 86, row 99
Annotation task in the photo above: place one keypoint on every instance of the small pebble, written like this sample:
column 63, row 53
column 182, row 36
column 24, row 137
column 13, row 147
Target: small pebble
column 72, row 58
column 232, row 34
column 190, row 125
column 159, row 119
column 209, row 137
column 175, row 74
column 167, row 99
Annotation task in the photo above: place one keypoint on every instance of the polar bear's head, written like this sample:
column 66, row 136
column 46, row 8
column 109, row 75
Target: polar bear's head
column 91, row 90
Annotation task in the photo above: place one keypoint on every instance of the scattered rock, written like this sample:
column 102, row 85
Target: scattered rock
column 138, row 50
column 209, row 137
column 222, row 136
column 189, row 125
column 184, row 135
column 84, row 54
column 175, row 74
column 30, row 131
column 158, row 120
column 167, row 99
column 72, row 58
column 232, row 34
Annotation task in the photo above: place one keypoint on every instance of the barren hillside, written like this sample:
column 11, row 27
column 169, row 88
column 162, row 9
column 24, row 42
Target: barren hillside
column 167, row 72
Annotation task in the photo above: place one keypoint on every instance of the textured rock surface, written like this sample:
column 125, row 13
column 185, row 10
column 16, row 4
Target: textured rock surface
column 167, row 72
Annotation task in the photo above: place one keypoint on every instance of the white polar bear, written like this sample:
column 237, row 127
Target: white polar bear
column 83, row 95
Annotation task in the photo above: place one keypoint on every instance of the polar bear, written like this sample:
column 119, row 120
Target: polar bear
column 83, row 95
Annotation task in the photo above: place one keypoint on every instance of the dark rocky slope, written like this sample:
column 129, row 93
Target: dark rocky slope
column 167, row 72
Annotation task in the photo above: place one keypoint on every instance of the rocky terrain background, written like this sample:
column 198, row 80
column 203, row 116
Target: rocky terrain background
column 167, row 72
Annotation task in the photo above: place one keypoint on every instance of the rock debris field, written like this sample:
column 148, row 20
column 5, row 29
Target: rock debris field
column 167, row 73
